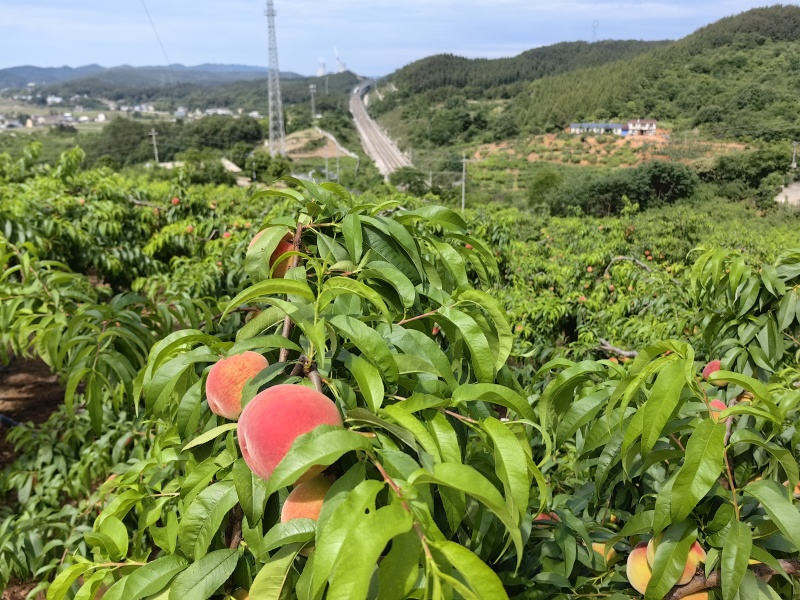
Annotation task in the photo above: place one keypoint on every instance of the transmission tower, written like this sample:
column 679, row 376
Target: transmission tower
column 595, row 27
column 313, row 89
column 277, row 133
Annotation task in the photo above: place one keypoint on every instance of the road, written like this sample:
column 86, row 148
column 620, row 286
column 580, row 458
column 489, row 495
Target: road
column 377, row 144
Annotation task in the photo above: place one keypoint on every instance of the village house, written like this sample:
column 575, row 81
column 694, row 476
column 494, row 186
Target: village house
column 643, row 127
column 598, row 128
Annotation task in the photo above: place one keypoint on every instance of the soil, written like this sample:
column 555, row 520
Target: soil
column 29, row 392
column 18, row 591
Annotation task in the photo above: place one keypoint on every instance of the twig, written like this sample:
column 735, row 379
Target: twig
column 460, row 417
column 418, row 317
column 630, row 258
column 606, row 346
column 287, row 321
column 313, row 376
column 677, row 442
column 235, row 527
column 638, row 262
column 142, row 203
column 791, row 337
column 700, row 582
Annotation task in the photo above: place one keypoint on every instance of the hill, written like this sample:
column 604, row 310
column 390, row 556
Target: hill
column 496, row 77
column 209, row 74
column 735, row 78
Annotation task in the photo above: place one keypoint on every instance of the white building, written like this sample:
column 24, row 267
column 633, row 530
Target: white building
column 643, row 127
column 54, row 100
column 101, row 118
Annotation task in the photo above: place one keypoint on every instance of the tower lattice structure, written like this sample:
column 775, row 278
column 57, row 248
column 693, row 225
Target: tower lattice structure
column 277, row 132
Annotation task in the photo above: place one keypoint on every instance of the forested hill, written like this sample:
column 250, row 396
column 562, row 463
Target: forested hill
column 492, row 77
column 738, row 77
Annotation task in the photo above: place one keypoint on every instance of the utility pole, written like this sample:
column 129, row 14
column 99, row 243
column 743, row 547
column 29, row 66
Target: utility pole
column 327, row 78
column 153, row 134
column 313, row 88
column 337, row 161
column 794, row 155
column 463, row 180
column 327, row 142
column 277, row 132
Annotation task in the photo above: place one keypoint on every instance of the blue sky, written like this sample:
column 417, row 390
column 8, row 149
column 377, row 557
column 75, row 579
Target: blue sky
column 373, row 36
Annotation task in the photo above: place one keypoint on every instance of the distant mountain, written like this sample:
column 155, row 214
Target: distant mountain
column 477, row 76
column 205, row 74
column 734, row 78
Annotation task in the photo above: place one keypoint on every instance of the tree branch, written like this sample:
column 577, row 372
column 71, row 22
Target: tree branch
column 700, row 582
column 606, row 346
column 638, row 262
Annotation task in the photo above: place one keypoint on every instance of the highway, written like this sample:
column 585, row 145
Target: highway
column 377, row 144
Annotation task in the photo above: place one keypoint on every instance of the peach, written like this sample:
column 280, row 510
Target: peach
column 589, row 269
column 272, row 421
column 227, row 379
column 713, row 367
column 284, row 246
column 716, row 407
column 226, row 235
column 305, row 500
column 638, row 570
column 582, row 299
column 696, row 556
column 175, row 201
column 241, row 594
column 546, row 519
column 600, row 548
column 190, row 229
column 81, row 201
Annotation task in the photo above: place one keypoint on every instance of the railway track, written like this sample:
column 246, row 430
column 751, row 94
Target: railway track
column 377, row 144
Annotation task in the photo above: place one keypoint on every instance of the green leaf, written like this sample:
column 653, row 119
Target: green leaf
column 664, row 399
column 780, row 509
column 204, row 577
column 483, row 360
column 204, row 517
column 60, row 586
column 322, row 446
column 399, row 569
column 118, row 533
column 512, row 465
column 290, row 532
column 210, row 435
column 466, row 479
column 351, row 229
column 497, row 314
column 483, row 582
column 701, row 468
column 251, row 491
column 332, row 533
column 335, row 286
column 495, row 394
column 383, row 271
column 735, row 557
column 368, row 379
column 670, row 560
column 271, row 580
column 151, row 578
column 271, row 287
column 256, row 262
column 352, row 571
column 370, row 344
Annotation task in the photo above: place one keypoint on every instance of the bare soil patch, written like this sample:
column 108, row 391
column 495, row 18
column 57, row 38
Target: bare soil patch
column 29, row 392
column 19, row 591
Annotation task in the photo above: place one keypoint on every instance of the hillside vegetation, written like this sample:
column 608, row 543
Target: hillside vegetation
column 502, row 77
column 734, row 78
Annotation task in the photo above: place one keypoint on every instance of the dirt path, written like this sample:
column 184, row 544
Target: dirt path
column 28, row 392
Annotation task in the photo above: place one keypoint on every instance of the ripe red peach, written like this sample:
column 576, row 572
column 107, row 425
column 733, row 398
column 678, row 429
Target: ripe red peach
column 175, row 201
column 713, row 367
column 81, row 201
column 716, row 407
column 582, row 299
column 227, row 379
column 190, row 229
column 272, row 421
column 284, row 246
column 546, row 519
column 226, row 235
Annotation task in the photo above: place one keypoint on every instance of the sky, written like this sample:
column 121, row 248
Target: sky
column 373, row 37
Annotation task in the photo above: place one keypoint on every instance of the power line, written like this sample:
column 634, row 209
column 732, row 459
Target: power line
column 160, row 43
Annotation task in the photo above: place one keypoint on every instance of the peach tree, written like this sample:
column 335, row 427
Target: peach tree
column 385, row 314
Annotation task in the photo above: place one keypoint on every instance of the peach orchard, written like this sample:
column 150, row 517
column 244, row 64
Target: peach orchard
column 369, row 415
